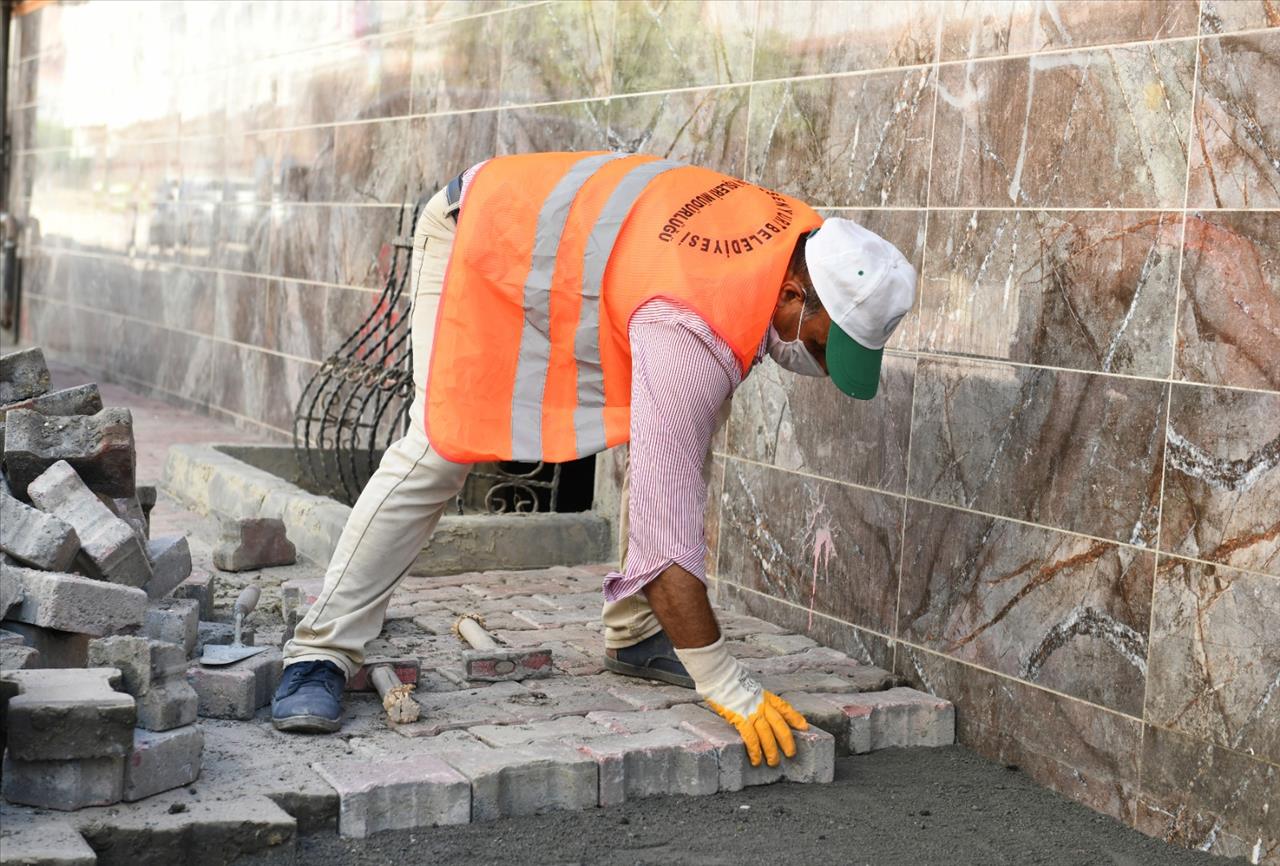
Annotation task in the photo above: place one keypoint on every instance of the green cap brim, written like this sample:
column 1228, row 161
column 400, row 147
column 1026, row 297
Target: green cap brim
column 854, row 368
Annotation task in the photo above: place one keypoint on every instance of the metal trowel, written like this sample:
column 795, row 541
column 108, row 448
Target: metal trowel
column 225, row 654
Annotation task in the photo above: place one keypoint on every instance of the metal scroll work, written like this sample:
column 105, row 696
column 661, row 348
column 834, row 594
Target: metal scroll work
column 358, row 403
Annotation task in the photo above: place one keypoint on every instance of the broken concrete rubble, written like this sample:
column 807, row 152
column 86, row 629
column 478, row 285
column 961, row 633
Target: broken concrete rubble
column 252, row 543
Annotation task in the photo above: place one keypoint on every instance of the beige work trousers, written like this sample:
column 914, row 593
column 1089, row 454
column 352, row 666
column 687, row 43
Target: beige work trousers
column 403, row 501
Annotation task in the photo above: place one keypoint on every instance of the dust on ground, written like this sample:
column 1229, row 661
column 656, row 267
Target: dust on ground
column 897, row 806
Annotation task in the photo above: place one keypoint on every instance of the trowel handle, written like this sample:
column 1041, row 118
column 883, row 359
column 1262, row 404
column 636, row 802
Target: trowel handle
column 247, row 600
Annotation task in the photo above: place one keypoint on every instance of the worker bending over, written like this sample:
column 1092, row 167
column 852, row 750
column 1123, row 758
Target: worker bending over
column 565, row 303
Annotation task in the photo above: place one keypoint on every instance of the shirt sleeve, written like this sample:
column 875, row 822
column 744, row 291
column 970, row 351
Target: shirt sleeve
column 678, row 384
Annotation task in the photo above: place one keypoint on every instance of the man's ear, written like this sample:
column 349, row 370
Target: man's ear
column 792, row 290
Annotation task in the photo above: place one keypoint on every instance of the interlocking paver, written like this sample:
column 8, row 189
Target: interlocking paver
column 410, row 791
column 653, row 763
column 527, row 780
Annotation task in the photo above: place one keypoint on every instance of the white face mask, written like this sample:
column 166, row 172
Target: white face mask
column 793, row 355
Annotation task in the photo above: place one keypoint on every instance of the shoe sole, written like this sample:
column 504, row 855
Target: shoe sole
column 307, row 724
column 627, row 670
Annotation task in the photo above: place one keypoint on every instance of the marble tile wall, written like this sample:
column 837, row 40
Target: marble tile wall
column 1063, row 510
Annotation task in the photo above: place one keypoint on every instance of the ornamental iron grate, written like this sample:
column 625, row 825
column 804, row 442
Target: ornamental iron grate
column 358, row 403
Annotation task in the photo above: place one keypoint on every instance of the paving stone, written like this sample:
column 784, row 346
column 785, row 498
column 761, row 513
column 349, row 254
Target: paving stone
column 9, row 638
column 557, row 618
column 822, row 711
column 128, row 509
column 554, row 698
column 814, row 760
column 737, row 626
column 814, row 682
column 11, row 591
column 58, row 649
column 464, row 708
column 510, row 782
column 68, row 602
column 161, row 761
column 236, row 691
column 63, row 785
column 34, row 538
column 175, row 621
column 23, row 375
column 252, row 543
column 58, row 715
column 146, row 494
column 170, row 557
column 80, row 400
column 652, row 764
column 568, row 730
column 98, row 447
column 202, row 586
column 129, row 654
column 43, row 840
column 17, row 657
column 411, row 791
column 170, row 703
column 897, row 717
column 106, row 541
column 302, row 590
column 641, row 695
column 781, row 644
column 204, row 833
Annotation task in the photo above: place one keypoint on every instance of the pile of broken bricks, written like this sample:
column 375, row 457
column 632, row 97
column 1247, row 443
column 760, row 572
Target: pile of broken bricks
column 99, row 622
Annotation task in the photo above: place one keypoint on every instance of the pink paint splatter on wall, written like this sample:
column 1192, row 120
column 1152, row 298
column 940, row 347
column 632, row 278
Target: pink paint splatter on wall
column 818, row 532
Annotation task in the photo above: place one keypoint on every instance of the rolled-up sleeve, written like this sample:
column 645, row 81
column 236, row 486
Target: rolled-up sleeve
column 680, row 377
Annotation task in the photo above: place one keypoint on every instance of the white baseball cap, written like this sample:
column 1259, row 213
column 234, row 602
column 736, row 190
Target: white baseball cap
column 867, row 286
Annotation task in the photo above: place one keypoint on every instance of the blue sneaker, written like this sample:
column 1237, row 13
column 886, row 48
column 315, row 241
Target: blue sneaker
column 654, row 658
column 309, row 700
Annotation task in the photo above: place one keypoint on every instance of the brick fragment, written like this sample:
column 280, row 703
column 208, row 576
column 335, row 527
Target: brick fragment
column 258, row 542
column 201, row 586
column 170, row 557
column 23, row 375
column 98, row 447
column 526, row 781
column 58, row 715
column 411, row 791
column 58, row 649
column 34, row 538
column 161, row 761
column 70, row 603
column 236, row 691
column 896, row 717
column 652, row 764
column 175, row 621
column 63, row 785
column 107, row 541
column 80, row 400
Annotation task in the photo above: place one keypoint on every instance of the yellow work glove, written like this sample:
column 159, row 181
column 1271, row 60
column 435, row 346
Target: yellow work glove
column 762, row 719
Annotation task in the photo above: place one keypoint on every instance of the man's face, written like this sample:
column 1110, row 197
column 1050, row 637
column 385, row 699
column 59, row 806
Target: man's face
column 790, row 312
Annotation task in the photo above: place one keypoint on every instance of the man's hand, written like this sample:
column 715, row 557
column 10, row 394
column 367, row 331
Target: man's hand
column 763, row 720
column 767, row 729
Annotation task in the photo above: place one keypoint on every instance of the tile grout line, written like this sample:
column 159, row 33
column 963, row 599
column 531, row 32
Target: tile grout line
column 1192, row 132
column 987, row 514
column 1024, row 683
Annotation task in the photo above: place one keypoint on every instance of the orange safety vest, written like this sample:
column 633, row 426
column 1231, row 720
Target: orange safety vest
column 554, row 253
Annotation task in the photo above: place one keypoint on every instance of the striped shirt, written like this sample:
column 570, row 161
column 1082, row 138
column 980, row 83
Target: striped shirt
column 682, row 373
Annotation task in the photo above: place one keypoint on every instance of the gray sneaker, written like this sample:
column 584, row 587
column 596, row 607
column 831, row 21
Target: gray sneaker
column 654, row 658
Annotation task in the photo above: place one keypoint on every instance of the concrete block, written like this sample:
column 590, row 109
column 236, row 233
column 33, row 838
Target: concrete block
column 43, row 840
column 168, row 704
column 23, row 375
column 106, row 541
column 251, row 543
column 201, row 586
column 34, row 538
column 58, row 649
column 652, row 764
column 814, row 760
column 77, row 604
column 63, row 785
column 236, row 691
column 175, row 621
column 510, row 782
column 170, row 557
column 161, row 761
column 80, row 400
column 17, row 657
column 411, row 791
column 59, row 715
column 220, row 634
column 896, row 717
column 98, row 447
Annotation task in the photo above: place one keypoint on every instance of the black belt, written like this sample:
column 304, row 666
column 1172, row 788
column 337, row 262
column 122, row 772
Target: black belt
column 453, row 197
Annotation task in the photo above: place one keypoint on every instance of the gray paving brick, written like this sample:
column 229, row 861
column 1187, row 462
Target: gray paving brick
column 129, row 654
column 814, row 760
column 58, row 649
column 411, row 791
column 554, row 698
column 108, row 543
column 170, row 557
column 464, row 708
column 252, row 543
column 652, row 764
column 161, row 761
column 202, row 586
column 23, row 375
column 34, row 538
column 43, row 840
column 71, row 603
column 175, row 621
column 79, row 400
column 170, row 703
column 18, row 657
column 896, row 717
column 514, row 781
column 236, row 691
column 572, row 729
column 98, row 447
column 71, row 713
column 63, row 785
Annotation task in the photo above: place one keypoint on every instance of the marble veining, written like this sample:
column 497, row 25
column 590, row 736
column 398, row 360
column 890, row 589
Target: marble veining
column 678, row 43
